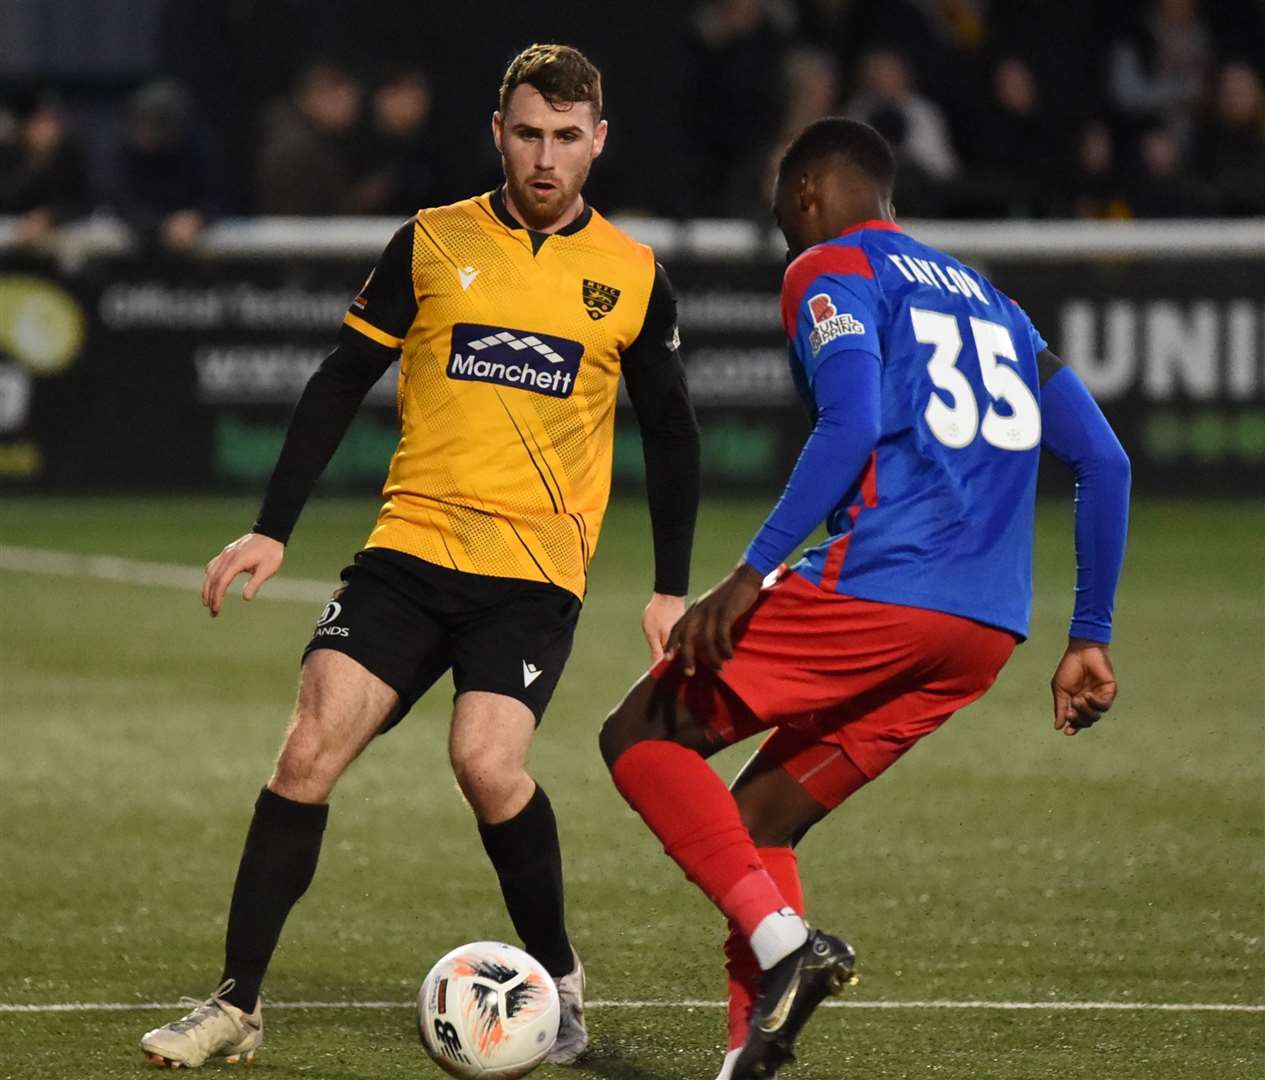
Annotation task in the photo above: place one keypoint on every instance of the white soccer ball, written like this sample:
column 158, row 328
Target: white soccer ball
column 487, row 1010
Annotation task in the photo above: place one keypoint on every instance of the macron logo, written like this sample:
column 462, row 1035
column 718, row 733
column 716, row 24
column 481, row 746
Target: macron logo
column 467, row 277
column 530, row 673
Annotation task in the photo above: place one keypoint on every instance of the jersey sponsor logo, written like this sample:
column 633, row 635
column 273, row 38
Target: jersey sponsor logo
column 828, row 324
column 332, row 610
column 540, row 363
column 530, row 673
column 599, row 299
column 467, row 277
column 363, row 298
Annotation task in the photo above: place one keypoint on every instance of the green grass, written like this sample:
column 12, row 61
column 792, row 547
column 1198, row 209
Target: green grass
column 998, row 861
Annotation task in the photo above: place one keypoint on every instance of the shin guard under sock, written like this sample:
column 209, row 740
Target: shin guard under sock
column 279, row 859
column 528, row 862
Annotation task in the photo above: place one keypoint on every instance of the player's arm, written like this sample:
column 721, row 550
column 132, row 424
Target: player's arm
column 1075, row 431
column 846, row 391
column 369, row 342
column 655, row 378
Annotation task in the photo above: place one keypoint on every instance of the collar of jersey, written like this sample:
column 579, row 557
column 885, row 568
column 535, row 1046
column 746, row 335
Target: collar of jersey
column 875, row 223
column 510, row 222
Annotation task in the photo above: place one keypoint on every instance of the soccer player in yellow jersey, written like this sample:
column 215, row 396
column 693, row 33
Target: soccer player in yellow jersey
column 513, row 316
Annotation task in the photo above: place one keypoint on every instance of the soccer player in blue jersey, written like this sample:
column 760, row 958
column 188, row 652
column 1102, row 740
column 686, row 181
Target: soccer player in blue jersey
column 932, row 396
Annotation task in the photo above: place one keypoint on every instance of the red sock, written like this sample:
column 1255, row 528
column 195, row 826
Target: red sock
column 688, row 807
column 740, row 961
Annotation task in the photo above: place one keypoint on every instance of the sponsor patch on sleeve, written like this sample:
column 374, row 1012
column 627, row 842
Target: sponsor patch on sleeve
column 828, row 323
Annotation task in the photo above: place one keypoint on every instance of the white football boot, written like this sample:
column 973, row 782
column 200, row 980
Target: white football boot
column 213, row 1029
column 573, row 1036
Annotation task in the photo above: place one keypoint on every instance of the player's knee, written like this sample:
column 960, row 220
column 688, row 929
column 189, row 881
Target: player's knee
column 486, row 774
column 308, row 766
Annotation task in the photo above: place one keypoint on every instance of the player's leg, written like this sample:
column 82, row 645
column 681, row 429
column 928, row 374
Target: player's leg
column 792, row 782
column 361, row 671
column 341, row 706
column 507, row 662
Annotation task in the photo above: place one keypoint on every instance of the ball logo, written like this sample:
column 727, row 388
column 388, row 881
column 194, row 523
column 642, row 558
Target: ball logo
column 822, row 308
column 332, row 610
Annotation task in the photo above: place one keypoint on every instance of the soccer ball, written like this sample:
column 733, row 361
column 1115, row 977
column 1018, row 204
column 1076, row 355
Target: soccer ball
column 487, row 1010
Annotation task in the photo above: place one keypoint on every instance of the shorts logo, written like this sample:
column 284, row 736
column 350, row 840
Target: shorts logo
column 323, row 629
column 530, row 673
column 540, row 363
column 828, row 324
column 599, row 299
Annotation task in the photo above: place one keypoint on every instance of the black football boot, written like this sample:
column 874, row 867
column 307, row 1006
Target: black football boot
column 789, row 992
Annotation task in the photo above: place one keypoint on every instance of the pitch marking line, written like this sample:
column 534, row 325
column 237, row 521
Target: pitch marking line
column 1010, row 1006
column 137, row 572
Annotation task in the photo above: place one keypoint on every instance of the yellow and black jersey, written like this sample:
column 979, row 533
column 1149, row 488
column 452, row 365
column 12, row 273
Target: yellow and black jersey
column 511, row 345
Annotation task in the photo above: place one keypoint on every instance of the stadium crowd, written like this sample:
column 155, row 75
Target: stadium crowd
column 1015, row 109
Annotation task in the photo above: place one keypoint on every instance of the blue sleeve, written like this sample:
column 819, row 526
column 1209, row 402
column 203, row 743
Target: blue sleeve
column 838, row 313
column 1075, row 431
column 846, row 390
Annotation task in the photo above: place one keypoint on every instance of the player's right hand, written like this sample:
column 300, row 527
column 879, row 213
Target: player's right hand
column 1084, row 686
column 254, row 554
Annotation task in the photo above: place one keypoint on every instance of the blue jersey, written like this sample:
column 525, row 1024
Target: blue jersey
column 941, row 517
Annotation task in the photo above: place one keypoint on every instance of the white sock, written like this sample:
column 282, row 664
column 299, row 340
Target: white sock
column 777, row 936
column 727, row 1066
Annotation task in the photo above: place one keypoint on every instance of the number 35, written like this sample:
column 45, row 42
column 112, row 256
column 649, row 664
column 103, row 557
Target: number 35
column 956, row 425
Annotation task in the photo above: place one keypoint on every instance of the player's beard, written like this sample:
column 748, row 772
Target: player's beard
column 541, row 210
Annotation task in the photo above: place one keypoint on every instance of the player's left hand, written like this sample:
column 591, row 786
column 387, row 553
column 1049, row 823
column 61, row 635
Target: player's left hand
column 657, row 620
column 705, row 631
column 1084, row 686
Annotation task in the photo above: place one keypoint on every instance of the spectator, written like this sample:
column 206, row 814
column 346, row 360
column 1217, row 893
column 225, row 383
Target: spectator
column 886, row 85
column 161, row 170
column 1163, row 189
column 307, row 158
column 405, row 170
column 811, row 81
column 734, row 43
column 1097, row 191
column 45, row 179
column 1230, row 148
column 1018, row 153
column 1158, row 73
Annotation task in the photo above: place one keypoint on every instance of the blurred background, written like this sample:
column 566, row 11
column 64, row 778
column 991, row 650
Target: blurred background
column 189, row 192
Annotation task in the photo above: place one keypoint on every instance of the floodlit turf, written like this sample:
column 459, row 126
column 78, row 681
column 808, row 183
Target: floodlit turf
column 997, row 862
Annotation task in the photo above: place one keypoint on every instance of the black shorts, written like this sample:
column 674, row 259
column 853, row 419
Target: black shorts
column 408, row 621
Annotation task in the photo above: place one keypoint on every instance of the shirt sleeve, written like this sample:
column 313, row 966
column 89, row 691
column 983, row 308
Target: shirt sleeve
column 830, row 304
column 848, row 425
column 655, row 377
column 385, row 307
column 1075, row 431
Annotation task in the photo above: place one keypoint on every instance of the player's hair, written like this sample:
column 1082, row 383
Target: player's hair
column 563, row 75
column 857, row 143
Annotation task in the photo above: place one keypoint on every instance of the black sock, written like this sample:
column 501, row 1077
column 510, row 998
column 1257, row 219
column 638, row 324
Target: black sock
column 282, row 846
column 528, row 862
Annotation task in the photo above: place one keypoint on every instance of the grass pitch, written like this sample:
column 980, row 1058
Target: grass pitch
column 997, row 862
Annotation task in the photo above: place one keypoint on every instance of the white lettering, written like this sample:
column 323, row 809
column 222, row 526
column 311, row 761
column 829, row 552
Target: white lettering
column 1243, row 362
column 1108, row 374
column 1181, row 351
column 901, row 267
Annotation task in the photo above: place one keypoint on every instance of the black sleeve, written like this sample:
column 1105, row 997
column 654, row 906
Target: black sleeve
column 320, row 420
column 368, row 343
column 386, row 305
column 655, row 378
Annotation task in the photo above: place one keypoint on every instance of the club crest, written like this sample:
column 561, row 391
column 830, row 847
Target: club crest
column 599, row 299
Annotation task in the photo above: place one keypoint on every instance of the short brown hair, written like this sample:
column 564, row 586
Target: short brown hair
column 561, row 74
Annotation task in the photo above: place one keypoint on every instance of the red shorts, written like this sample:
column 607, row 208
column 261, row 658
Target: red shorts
column 847, row 684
